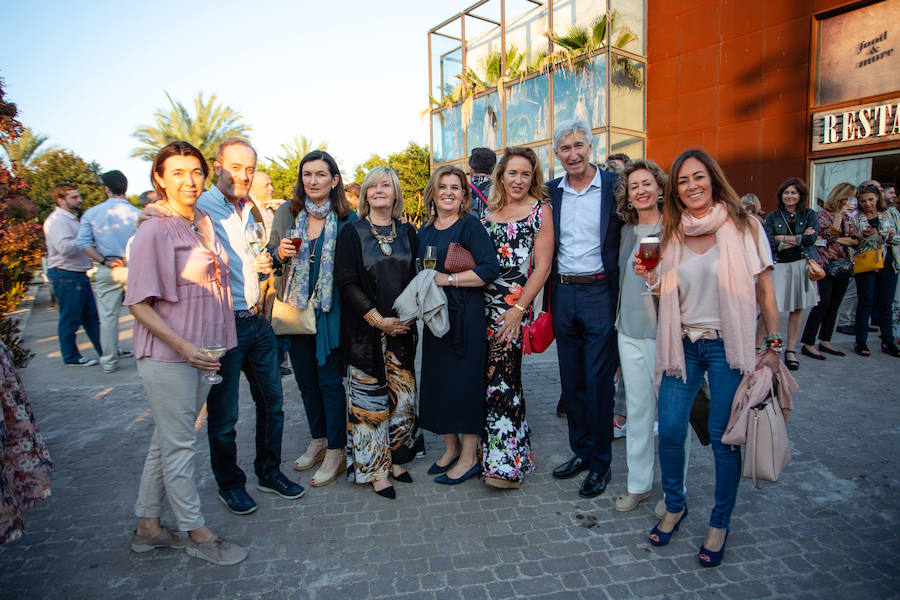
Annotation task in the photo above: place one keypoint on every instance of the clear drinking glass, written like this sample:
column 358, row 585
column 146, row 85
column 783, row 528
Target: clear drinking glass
column 430, row 260
column 256, row 237
column 213, row 345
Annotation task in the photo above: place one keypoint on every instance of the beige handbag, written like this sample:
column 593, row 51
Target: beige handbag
column 287, row 320
column 767, row 451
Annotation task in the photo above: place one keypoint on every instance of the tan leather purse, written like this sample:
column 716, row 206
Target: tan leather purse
column 287, row 320
column 767, row 452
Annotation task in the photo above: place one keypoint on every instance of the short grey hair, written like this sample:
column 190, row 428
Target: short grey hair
column 233, row 141
column 569, row 127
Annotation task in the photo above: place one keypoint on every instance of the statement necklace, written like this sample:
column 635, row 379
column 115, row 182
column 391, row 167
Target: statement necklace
column 385, row 241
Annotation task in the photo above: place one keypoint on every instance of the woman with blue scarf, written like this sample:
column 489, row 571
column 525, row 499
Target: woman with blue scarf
column 319, row 211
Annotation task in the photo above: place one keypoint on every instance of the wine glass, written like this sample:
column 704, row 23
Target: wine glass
column 256, row 237
column 648, row 252
column 430, row 260
column 296, row 237
column 212, row 344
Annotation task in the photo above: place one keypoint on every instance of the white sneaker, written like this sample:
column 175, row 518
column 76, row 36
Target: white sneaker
column 83, row 362
column 619, row 430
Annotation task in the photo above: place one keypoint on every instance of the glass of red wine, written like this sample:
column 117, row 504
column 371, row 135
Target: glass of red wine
column 296, row 237
column 648, row 252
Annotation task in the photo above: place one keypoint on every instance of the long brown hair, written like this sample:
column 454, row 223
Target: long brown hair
column 722, row 191
column 498, row 199
column 338, row 199
column 432, row 188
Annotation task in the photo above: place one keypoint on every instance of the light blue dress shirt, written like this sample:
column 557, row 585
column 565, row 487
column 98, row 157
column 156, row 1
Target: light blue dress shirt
column 230, row 226
column 108, row 226
column 580, row 228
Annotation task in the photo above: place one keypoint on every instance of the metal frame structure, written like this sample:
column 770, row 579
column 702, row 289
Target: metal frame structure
column 606, row 129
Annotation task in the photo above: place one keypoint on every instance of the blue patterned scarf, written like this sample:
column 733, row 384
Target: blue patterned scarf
column 298, row 278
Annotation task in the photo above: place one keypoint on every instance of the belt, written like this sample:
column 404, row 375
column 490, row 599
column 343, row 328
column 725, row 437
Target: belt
column 582, row 278
column 245, row 314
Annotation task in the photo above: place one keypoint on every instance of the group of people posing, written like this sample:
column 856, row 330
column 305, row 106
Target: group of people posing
column 200, row 289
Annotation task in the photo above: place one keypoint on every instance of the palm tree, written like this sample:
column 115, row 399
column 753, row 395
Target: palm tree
column 294, row 152
column 25, row 150
column 205, row 130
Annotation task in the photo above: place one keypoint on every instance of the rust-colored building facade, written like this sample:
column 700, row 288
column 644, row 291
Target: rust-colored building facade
column 744, row 80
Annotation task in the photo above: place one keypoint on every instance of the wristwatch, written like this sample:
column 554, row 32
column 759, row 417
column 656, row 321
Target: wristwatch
column 450, row 279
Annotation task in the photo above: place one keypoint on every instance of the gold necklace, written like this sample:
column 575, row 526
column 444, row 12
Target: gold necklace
column 385, row 241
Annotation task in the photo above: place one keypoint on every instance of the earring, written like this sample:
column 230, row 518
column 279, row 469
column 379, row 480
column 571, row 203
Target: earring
column 659, row 199
column 630, row 205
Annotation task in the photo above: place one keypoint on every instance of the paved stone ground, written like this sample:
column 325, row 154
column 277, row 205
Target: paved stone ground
column 827, row 530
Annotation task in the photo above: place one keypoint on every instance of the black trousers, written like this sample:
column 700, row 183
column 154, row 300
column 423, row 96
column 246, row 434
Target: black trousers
column 822, row 317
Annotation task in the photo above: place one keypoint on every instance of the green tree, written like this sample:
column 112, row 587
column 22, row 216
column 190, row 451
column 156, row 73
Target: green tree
column 205, row 129
column 283, row 168
column 62, row 165
column 26, row 149
column 412, row 167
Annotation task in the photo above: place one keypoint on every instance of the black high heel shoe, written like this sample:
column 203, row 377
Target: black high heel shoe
column 404, row 477
column 387, row 492
column 446, row 480
column 708, row 558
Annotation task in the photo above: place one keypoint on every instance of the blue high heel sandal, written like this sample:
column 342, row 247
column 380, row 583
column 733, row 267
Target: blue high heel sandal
column 708, row 558
column 446, row 480
column 662, row 538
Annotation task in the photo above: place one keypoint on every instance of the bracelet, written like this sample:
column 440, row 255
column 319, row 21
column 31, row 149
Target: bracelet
column 374, row 318
column 521, row 308
column 774, row 342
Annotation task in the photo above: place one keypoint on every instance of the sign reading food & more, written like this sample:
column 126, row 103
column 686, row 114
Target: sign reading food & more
column 856, row 125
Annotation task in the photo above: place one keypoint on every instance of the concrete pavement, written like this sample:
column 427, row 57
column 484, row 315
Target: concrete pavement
column 827, row 530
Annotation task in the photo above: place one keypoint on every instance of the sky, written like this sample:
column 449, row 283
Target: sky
column 353, row 73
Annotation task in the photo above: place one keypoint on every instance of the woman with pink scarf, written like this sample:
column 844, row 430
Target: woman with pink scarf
column 715, row 269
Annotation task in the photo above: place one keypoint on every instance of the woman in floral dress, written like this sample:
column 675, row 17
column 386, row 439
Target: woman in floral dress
column 521, row 227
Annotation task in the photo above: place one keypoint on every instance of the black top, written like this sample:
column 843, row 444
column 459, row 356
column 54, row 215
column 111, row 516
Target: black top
column 781, row 222
column 367, row 279
column 794, row 252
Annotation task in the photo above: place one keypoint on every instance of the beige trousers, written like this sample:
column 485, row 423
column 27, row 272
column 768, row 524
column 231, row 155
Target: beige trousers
column 109, row 285
column 176, row 392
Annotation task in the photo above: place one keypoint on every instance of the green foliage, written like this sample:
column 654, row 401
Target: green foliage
column 283, row 168
column 56, row 166
column 26, row 149
column 205, row 129
column 413, row 170
column 9, row 335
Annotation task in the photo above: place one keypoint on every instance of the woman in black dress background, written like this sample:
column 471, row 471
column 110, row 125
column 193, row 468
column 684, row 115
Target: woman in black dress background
column 453, row 367
column 375, row 259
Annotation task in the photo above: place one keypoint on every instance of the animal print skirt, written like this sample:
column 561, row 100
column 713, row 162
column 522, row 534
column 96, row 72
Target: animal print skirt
column 382, row 423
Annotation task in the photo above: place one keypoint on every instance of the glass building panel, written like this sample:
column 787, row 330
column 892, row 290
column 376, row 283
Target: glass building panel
column 627, row 144
column 581, row 93
column 629, row 25
column 543, row 154
column 627, row 85
column 447, row 127
column 527, row 117
column 484, row 123
column 598, row 155
column 581, row 13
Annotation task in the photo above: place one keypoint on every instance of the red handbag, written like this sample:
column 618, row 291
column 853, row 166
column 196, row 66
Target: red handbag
column 538, row 335
column 458, row 259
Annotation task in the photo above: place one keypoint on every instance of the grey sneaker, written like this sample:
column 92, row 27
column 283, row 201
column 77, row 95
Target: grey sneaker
column 217, row 551
column 164, row 539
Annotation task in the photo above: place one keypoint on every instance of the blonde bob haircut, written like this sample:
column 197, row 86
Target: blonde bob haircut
column 431, row 191
column 624, row 209
column 838, row 196
column 371, row 178
column 497, row 200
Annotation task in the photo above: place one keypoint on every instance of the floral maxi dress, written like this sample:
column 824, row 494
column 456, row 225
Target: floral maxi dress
column 505, row 445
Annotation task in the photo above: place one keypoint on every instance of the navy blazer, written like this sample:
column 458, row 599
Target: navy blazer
column 610, row 225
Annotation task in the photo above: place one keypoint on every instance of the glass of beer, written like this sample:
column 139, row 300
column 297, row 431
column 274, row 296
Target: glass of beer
column 430, row 260
column 648, row 252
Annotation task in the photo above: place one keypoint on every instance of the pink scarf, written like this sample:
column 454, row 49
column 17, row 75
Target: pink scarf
column 738, row 264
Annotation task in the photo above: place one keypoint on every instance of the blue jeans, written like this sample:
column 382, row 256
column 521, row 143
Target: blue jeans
column 77, row 308
column 674, row 407
column 257, row 356
column 583, row 316
column 322, row 390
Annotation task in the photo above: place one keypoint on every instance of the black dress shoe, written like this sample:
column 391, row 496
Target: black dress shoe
column 570, row 469
column 387, row 492
column 594, row 484
column 405, row 477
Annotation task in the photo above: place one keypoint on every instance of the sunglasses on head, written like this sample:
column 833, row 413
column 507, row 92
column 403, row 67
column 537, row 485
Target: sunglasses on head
column 868, row 187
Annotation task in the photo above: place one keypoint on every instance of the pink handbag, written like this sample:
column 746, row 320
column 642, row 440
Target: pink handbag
column 768, row 451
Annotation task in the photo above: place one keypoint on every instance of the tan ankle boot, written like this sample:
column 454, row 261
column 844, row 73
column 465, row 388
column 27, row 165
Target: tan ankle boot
column 335, row 463
column 314, row 454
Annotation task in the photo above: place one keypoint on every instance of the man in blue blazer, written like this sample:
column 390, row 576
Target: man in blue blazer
column 584, row 289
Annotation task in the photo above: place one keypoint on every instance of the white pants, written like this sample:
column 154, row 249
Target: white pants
column 637, row 357
column 176, row 392
column 109, row 284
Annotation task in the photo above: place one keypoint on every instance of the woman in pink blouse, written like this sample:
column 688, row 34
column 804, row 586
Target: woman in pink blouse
column 177, row 285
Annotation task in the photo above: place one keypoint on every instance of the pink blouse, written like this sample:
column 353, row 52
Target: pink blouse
column 187, row 284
